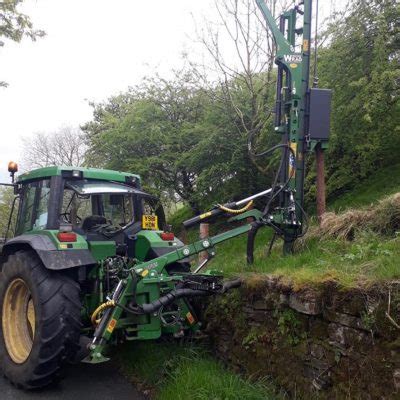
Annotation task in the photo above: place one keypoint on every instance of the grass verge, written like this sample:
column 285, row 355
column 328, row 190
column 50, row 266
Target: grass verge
column 364, row 261
column 175, row 371
column 356, row 248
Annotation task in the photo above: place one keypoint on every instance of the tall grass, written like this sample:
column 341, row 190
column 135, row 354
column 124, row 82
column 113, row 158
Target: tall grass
column 180, row 371
column 205, row 379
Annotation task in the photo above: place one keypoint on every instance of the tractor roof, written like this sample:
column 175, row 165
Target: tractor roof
column 87, row 173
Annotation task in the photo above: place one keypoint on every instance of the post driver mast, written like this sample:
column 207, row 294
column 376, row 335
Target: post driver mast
column 302, row 115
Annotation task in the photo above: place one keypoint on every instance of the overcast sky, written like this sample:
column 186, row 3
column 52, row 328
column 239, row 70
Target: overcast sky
column 92, row 49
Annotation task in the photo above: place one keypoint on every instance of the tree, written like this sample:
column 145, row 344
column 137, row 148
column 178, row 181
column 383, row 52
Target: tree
column 14, row 25
column 178, row 137
column 151, row 130
column 361, row 63
column 6, row 201
column 65, row 146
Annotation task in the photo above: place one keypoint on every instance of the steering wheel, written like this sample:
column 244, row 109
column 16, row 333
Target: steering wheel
column 66, row 217
column 107, row 230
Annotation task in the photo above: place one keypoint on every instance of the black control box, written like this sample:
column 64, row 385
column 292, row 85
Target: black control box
column 319, row 114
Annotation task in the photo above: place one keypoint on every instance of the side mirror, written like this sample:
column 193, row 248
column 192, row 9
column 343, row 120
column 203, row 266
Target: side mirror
column 12, row 169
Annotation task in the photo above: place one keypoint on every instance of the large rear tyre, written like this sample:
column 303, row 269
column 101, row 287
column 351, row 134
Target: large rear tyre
column 39, row 323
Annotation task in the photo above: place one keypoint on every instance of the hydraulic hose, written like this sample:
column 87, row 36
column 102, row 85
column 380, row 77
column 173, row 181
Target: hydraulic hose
column 231, row 285
column 170, row 298
column 217, row 210
column 176, row 294
column 204, row 217
column 99, row 309
column 234, row 211
column 101, row 325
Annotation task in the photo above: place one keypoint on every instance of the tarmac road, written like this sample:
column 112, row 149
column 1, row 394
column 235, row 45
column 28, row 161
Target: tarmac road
column 81, row 382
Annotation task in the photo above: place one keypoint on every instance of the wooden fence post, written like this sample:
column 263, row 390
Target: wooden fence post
column 321, row 201
column 204, row 232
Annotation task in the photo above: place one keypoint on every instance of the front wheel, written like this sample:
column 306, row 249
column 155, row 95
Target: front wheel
column 40, row 320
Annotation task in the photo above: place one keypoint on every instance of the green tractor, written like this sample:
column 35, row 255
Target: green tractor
column 92, row 262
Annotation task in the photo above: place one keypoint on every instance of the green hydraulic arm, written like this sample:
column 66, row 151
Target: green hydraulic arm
column 147, row 277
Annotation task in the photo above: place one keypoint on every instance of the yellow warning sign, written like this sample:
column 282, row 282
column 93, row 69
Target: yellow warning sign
column 190, row 318
column 111, row 325
column 145, row 273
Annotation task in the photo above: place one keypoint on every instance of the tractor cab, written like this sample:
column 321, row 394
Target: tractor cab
column 90, row 205
column 81, row 197
column 104, row 209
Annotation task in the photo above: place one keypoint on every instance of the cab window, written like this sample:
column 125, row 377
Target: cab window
column 75, row 208
column 34, row 206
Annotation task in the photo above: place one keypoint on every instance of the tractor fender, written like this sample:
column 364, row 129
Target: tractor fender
column 51, row 257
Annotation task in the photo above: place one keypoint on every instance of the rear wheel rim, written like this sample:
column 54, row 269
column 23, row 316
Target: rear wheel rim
column 18, row 320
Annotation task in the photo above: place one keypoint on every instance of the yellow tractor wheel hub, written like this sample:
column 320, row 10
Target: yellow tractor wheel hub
column 18, row 321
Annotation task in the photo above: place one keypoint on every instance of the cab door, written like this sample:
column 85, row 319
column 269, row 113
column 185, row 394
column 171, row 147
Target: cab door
column 33, row 209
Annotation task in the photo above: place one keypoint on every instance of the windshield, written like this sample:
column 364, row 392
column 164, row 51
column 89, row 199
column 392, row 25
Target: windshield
column 88, row 210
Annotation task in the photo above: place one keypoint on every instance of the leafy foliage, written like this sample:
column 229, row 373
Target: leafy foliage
column 14, row 25
column 6, row 200
column 177, row 136
column 362, row 66
column 153, row 130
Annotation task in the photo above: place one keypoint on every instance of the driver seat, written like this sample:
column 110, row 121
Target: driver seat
column 89, row 222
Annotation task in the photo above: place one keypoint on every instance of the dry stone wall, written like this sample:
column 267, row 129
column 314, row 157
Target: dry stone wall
column 323, row 343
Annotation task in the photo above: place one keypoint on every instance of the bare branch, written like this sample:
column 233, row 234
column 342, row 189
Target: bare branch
column 241, row 54
column 65, row 146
